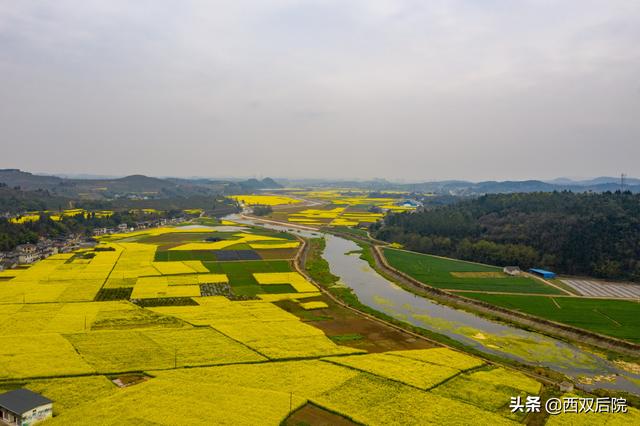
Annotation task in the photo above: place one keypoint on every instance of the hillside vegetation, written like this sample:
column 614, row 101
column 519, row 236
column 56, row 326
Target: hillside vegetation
column 580, row 234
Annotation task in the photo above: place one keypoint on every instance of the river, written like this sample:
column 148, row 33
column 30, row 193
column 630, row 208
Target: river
column 487, row 336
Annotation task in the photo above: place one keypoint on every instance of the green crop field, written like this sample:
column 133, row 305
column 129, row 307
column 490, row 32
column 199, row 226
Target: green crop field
column 240, row 274
column 437, row 272
column 616, row 318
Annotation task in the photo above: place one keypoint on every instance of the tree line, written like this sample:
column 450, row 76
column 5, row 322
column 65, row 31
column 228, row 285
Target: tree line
column 594, row 234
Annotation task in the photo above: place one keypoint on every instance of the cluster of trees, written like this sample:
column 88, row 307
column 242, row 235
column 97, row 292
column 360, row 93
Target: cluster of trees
column 15, row 200
column 572, row 233
column 260, row 210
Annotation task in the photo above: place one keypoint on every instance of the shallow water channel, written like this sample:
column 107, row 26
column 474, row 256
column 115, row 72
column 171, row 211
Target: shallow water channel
column 482, row 334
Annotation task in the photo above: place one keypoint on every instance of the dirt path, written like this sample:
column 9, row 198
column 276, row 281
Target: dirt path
column 510, row 293
column 549, row 283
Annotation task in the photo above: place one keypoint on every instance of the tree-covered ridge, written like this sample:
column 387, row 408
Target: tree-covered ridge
column 571, row 233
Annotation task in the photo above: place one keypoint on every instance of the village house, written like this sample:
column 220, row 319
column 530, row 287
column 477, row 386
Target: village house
column 22, row 407
column 46, row 248
column 123, row 227
column 9, row 261
column 27, row 253
column 99, row 231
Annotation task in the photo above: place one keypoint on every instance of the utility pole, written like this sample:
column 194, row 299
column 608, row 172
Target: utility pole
column 290, row 402
column 175, row 358
column 622, row 176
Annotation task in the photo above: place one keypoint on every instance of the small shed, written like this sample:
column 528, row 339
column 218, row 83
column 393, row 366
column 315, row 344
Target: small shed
column 542, row 273
column 511, row 270
column 566, row 387
column 23, row 407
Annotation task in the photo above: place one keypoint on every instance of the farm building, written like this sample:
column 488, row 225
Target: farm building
column 23, row 407
column 410, row 203
column 27, row 253
column 542, row 273
column 511, row 270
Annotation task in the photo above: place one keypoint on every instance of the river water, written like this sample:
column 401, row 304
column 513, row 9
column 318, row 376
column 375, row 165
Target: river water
column 482, row 334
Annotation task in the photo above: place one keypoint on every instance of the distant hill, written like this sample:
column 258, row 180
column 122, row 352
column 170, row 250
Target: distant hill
column 266, row 183
column 614, row 181
column 151, row 187
column 466, row 188
column 28, row 181
column 17, row 201
column 134, row 186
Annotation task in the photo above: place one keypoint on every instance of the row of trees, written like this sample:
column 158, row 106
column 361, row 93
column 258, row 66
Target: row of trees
column 582, row 234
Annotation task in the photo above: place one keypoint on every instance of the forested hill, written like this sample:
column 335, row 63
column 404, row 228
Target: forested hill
column 572, row 233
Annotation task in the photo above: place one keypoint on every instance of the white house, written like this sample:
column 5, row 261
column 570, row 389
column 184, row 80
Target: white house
column 27, row 253
column 22, row 407
column 511, row 270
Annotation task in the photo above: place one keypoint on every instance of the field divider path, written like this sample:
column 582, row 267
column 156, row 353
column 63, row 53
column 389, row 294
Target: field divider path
column 617, row 324
column 549, row 283
column 511, row 293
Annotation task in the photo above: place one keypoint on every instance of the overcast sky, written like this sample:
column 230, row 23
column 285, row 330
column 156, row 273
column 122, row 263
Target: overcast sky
column 404, row 89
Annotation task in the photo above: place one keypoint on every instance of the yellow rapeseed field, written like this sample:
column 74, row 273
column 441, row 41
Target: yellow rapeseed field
column 240, row 238
column 442, row 356
column 277, row 297
column 297, row 281
column 144, row 349
column 259, row 246
column 504, row 377
column 68, row 393
column 264, row 200
column 39, row 355
column 313, row 305
column 174, row 286
column 169, row 401
column 411, row 372
column 374, row 400
column 55, row 280
column 260, row 325
column 172, row 268
column 25, row 218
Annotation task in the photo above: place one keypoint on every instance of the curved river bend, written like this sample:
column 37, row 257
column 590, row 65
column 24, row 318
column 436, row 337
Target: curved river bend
column 482, row 334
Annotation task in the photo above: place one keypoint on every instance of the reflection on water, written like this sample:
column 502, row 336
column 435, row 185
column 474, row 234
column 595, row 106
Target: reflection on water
column 487, row 336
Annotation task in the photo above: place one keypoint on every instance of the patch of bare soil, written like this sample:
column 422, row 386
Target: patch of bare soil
column 347, row 328
column 311, row 414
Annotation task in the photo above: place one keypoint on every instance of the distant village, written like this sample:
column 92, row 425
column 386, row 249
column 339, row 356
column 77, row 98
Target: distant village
column 25, row 254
